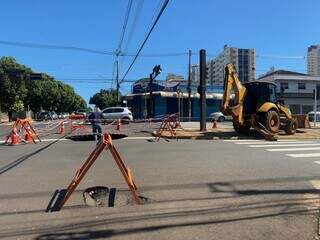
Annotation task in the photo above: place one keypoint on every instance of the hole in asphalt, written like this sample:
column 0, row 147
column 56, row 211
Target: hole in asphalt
column 101, row 196
column 90, row 137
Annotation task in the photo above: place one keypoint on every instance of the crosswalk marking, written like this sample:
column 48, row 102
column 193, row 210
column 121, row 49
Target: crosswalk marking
column 285, row 145
column 315, row 184
column 257, row 140
column 271, row 143
column 292, row 149
column 304, row 155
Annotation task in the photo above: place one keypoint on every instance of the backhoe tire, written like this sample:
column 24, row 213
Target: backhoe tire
column 244, row 129
column 271, row 120
column 291, row 127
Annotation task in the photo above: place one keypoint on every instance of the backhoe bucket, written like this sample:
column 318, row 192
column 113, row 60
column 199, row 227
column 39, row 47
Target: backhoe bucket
column 302, row 119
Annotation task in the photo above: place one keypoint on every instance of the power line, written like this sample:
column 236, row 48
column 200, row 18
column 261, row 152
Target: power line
column 91, row 79
column 56, row 47
column 133, row 27
column 125, row 23
column 144, row 42
column 112, row 53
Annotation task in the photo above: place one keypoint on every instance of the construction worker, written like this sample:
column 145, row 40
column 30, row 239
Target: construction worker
column 95, row 120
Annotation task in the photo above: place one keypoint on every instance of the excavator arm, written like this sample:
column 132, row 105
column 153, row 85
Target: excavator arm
column 232, row 82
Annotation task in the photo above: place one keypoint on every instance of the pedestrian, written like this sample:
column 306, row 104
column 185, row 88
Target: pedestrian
column 95, row 120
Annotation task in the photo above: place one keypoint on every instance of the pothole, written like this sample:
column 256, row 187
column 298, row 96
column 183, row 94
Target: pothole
column 90, row 137
column 101, row 196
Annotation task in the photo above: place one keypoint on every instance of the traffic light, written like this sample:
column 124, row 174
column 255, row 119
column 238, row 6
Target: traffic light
column 157, row 70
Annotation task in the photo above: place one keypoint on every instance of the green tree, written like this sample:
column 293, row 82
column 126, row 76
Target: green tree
column 13, row 88
column 17, row 90
column 104, row 98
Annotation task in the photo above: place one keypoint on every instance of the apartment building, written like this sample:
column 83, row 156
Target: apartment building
column 243, row 59
column 314, row 60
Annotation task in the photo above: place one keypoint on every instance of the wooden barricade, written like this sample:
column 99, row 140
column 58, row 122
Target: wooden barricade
column 61, row 196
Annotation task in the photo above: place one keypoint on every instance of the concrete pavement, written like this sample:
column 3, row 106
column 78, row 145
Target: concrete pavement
column 199, row 190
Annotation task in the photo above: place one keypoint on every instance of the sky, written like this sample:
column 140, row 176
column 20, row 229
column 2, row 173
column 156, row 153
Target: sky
column 279, row 30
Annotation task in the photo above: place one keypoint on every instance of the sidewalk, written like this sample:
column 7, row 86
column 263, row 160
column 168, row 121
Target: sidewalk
column 191, row 130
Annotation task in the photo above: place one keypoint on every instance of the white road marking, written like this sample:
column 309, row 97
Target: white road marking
column 243, row 140
column 304, row 155
column 52, row 139
column 318, row 162
column 315, row 184
column 273, row 143
column 139, row 138
column 286, row 145
column 45, row 140
column 292, row 149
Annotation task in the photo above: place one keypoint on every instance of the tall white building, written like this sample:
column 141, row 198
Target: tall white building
column 243, row 59
column 314, row 60
column 195, row 73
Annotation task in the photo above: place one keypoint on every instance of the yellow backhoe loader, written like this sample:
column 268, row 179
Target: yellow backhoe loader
column 255, row 106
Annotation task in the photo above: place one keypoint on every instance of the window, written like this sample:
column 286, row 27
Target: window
column 284, row 85
column 108, row 110
column 301, row 86
column 117, row 110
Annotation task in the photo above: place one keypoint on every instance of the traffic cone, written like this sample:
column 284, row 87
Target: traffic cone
column 15, row 139
column 28, row 137
column 214, row 123
column 61, row 129
column 119, row 125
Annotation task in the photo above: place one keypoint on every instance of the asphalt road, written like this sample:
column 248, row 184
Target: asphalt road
column 205, row 189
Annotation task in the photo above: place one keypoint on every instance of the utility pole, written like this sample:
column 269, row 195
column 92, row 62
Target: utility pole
column 189, row 87
column 117, row 79
column 315, row 107
column 202, row 90
column 150, row 112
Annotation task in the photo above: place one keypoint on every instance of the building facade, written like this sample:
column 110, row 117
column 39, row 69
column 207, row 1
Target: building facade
column 243, row 59
column 171, row 97
column 296, row 89
column 314, row 60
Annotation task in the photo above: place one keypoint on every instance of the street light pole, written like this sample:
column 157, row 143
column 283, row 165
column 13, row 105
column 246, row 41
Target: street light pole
column 202, row 90
column 155, row 72
column 151, row 97
column 189, row 87
column 117, row 81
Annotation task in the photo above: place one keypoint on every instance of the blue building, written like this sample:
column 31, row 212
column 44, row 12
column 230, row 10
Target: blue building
column 171, row 97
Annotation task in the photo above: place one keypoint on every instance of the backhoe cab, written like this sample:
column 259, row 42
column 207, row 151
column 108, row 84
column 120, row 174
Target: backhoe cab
column 255, row 105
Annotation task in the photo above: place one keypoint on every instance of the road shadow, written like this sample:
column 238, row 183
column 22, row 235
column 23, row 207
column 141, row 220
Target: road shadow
column 20, row 160
column 234, row 211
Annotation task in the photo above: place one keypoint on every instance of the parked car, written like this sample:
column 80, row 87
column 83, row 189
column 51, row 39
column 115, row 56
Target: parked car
column 54, row 116
column 218, row 116
column 44, row 115
column 81, row 112
column 113, row 113
column 63, row 115
column 311, row 116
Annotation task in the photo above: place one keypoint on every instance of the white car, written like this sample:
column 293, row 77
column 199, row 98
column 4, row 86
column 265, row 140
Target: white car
column 218, row 116
column 113, row 113
column 311, row 116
